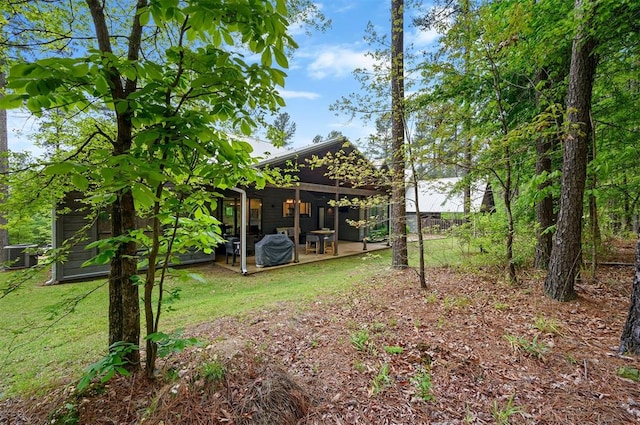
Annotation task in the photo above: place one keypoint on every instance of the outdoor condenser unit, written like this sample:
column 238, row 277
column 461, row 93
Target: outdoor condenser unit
column 21, row 256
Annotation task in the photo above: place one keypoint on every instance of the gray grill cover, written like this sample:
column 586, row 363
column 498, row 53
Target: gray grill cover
column 273, row 250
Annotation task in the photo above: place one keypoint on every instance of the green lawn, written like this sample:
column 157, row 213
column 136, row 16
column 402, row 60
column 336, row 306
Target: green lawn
column 42, row 343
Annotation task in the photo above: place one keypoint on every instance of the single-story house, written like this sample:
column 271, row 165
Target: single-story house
column 246, row 212
column 444, row 196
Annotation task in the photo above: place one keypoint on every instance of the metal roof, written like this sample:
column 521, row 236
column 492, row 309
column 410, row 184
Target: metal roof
column 441, row 195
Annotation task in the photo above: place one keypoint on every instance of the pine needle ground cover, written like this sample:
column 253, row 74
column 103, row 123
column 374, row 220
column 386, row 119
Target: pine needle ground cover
column 469, row 349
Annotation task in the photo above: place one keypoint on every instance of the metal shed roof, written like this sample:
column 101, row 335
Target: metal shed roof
column 441, row 195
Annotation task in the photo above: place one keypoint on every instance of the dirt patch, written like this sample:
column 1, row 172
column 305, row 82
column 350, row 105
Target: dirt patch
column 470, row 349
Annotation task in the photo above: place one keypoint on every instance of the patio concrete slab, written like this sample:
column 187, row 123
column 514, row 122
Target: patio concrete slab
column 345, row 249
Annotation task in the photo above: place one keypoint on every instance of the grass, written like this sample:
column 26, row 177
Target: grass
column 381, row 381
column 442, row 252
column 532, row 348
column 547, row 325
column 502, row 416
column 360, row 339
column 394, row 349
column 49, row 334
column 422, row 382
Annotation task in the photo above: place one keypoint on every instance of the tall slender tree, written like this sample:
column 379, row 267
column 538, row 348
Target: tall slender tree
column 398, row 202
column 566, row 254
column 4, row 152
column 551, row 58
column 544, row 205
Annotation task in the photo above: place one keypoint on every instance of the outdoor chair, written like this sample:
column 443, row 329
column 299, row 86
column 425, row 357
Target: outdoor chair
column 232, row 248
column 330, row 244
column 312, row 244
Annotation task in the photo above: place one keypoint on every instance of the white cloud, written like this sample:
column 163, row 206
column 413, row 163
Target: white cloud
column 293, row 94
column 420, row 38
column 296, row 29
column 354, row 128
column 337, row 62
column 346, row 7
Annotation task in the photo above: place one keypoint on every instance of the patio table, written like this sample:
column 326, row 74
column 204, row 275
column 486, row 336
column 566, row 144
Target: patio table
column 322, row 233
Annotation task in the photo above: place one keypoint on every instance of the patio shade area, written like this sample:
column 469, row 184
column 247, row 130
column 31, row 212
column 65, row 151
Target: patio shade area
column 347, row 249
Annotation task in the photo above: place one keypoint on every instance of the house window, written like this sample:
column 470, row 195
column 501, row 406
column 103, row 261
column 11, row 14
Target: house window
column 288, row 208
column 255, row 216
column 232, row 216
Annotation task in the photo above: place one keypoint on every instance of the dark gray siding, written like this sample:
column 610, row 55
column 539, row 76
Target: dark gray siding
column 74, row 226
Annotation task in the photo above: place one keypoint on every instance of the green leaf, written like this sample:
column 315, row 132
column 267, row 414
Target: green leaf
column 217, row 38
column 144, row 17
column 80, row 70
column 245, row 128
column 281, row 7
column 122, row 371
column 281, row 59
column 142, row 195
column 107, row 376
column 102, row 86
column 266, row 59
column 278, row 77
column 32, row 88
column 23, row 69
column 60, row 168
column 103, row 257
column 122, row 106
column 130, row 72
column 81, row 182
column 12, row 101
column 227, row 37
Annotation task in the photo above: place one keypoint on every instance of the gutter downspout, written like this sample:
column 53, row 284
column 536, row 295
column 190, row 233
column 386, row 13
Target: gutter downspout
column 54, row 242
column 243, row 230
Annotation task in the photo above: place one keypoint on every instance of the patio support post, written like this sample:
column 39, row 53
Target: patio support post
column 243, row 230
column 296, row 226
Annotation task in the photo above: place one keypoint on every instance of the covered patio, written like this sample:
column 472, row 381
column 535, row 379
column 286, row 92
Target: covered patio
column 347, row 248
column 313, row 200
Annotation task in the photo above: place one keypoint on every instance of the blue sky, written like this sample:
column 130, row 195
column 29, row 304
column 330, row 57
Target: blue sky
column 319, row 73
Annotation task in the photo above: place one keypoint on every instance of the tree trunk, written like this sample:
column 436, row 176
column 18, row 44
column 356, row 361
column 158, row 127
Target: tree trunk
column 566, row 254
column 4, row 167
column 416, row 193
column 630, row 339
column 511, row 266
column 124, row 304
column 468, row 155
column 544, row 206
column 593, row 208
column 506, row 182
column 398, row 203
column 150, row 320
column 422, row 274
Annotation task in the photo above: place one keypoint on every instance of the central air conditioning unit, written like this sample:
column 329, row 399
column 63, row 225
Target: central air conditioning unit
column 21, row 256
